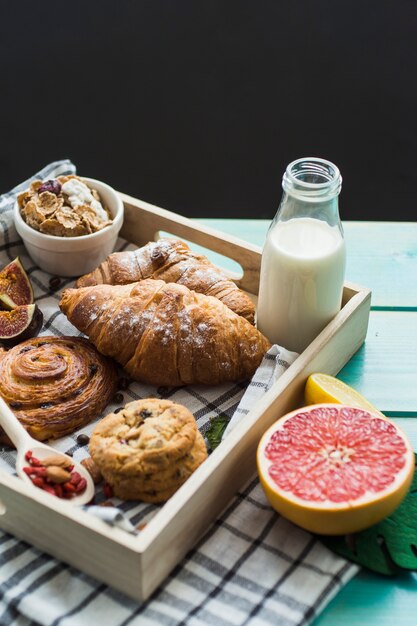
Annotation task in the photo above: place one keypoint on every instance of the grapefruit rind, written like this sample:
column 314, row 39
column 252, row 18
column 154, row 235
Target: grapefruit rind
column 334, row 518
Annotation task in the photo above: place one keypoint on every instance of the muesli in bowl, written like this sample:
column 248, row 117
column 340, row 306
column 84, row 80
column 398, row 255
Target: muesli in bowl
column 69, row 225
column 65, row 207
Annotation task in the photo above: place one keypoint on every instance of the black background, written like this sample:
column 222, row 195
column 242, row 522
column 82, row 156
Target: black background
column 199, row 105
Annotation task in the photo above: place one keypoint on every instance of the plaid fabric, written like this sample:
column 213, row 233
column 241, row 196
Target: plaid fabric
column 275, row 362
column 251, row 567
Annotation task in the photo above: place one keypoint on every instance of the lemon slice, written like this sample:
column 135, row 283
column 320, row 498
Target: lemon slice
column 324, row 388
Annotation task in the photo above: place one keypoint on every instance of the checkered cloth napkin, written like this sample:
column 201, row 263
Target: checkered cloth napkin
column 251, row 567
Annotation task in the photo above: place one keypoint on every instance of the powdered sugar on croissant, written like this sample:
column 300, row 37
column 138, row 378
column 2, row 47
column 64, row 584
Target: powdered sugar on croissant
column 166, row 334
column 172, row 261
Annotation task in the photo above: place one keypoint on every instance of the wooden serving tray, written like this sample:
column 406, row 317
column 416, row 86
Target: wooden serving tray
column 136, row 565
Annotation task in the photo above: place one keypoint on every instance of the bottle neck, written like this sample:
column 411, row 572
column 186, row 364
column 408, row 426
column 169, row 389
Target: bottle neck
column 312, row 180
column 311, row 189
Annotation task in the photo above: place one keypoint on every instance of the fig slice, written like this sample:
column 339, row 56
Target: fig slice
column 15, row 287
column 22, row 322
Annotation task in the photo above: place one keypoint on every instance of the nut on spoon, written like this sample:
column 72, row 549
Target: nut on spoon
column 25, row 443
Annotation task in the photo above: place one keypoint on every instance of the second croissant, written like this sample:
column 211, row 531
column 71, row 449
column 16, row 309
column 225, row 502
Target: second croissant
column 171, row 260
column 166, row 334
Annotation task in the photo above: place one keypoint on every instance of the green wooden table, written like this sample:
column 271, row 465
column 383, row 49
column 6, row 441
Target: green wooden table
column 382, row 256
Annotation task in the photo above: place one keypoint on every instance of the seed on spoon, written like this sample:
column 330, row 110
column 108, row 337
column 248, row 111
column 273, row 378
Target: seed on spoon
column 56, row 459
column 55, row 475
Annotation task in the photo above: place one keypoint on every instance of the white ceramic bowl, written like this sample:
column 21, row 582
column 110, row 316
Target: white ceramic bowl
column 73, row 256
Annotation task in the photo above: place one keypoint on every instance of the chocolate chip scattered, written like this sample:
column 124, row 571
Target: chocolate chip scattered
column 54, row 283
column 26, row 349
column 41, row 343
column 83, row 440
column 120, row 408
column 124, row 383
column 145, row 413
column 15, row 405
column 93, row 369
column 118, row 398
column 46, row 405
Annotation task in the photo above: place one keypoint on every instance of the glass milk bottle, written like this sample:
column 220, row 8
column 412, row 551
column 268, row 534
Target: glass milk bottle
column 303, row 260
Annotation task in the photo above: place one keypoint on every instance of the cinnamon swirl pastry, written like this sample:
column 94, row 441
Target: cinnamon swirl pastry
column 55, row 385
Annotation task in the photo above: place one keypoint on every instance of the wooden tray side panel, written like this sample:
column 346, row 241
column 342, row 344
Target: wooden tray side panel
column 143, row 221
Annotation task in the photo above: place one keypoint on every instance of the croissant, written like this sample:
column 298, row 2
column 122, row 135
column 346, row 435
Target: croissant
column 171, row 260
column 165, row 334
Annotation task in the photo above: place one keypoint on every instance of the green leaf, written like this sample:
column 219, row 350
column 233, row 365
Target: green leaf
column 215, row 431
column 388, row 547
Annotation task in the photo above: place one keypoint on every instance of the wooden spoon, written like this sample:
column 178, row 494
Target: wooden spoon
column 24, row 443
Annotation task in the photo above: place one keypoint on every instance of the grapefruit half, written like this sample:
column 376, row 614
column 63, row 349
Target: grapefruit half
column 334, row 469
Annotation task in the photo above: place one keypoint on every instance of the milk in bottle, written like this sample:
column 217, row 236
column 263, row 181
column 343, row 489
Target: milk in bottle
column 303, row 261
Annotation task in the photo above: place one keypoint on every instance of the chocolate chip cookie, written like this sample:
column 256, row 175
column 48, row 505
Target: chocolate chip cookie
column 159, row 486
column 147, row 450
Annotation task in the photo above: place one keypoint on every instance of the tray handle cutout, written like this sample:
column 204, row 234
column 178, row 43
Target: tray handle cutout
column 143, row 222
column 233, row 269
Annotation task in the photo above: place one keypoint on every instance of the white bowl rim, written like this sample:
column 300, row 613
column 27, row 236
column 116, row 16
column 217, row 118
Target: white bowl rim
column 117, row 218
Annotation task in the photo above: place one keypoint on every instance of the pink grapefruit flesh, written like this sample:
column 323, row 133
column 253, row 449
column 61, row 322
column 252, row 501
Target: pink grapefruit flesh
column 334, row 469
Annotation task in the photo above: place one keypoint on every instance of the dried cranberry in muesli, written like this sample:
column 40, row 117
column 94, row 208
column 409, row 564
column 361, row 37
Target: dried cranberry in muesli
column 65, row 207
column 53, row 186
